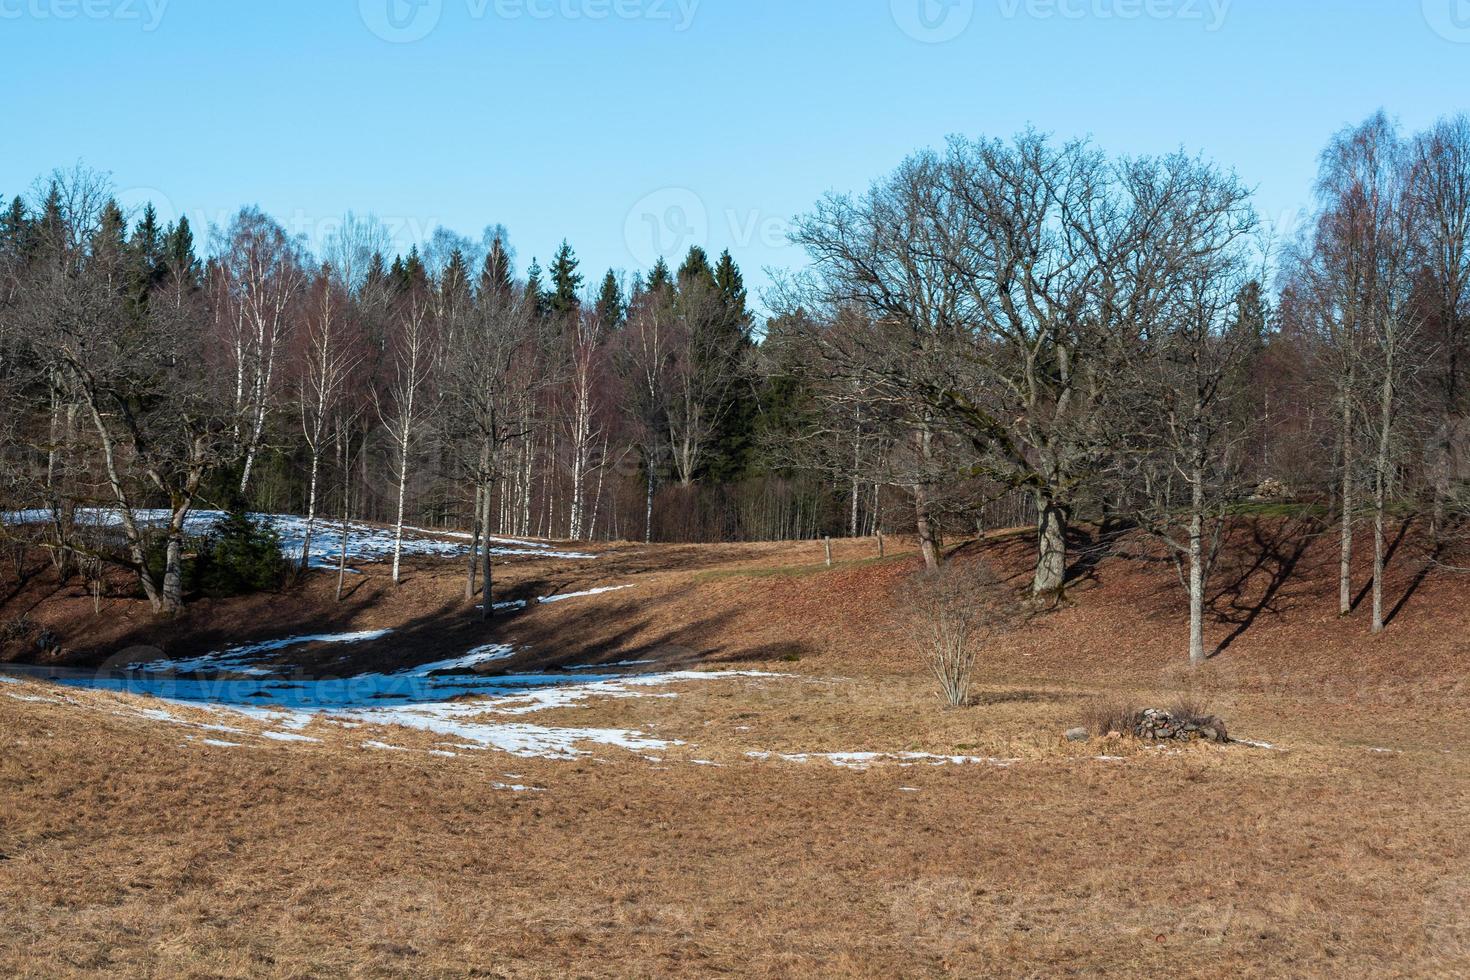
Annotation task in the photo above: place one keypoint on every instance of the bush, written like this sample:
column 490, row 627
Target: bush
column 956, row 609
column 240, row 557
column 237, row 557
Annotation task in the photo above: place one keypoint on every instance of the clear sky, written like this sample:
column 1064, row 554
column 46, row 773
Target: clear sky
column 636, row 126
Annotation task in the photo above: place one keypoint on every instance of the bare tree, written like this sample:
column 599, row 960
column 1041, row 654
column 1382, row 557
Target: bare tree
column 411, row 399
column 258, row 275
column 329, row 355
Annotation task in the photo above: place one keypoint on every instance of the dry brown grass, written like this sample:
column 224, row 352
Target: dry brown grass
column 129, row 851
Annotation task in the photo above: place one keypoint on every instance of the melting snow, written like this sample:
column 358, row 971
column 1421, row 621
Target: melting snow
column 423, row 698
column 364, row 542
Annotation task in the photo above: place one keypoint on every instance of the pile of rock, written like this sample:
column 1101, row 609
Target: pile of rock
column 1160, row 726
column 1154, row 725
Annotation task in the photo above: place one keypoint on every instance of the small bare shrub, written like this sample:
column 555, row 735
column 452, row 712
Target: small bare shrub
column 17, row 629
column 955, row 611
column 1106, row 717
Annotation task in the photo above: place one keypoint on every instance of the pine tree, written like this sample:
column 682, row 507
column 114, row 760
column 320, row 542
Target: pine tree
column 454, row 283
column 111, row 240
column 178, row 251
column 495, row 275
column 145, row 258
column 696, row 270
column 566, row 283
column 15, row 230
column 611, row 310
column 51, row 228
column 535, row 297
column 731, row 285
column 660, row 280
column 377, row 274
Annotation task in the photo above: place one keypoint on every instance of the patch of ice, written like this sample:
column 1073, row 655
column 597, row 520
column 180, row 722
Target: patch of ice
column 583, row 595
column 239, row 660
column 287, row 737
column 620, row 663
column 480, row 655
column 219, row 744
column 458, row 708
column 1257, row 745
column 515, row 788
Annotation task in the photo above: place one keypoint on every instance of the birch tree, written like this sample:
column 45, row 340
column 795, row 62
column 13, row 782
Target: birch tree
column 411, row 399
column 259, row 274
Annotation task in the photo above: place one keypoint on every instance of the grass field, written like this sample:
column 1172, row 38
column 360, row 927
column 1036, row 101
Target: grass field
column 755, row 841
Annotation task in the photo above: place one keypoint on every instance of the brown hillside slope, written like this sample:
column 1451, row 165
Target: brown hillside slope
column 129, row 847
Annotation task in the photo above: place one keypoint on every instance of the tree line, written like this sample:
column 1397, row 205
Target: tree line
column 998, row 333
column 437, row 388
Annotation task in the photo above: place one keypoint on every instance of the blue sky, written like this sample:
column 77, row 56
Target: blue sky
column 634, row 126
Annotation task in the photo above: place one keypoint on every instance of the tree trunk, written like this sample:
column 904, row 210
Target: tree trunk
column 1380, row 486
column 1197, row 569
column 402, row 492
column 477, row 521
column 488, row 575
column 648, row 508
column 346, row 443
column 1345, row 571
column 172, row 600
column 928, row 546
column 1051, row 563
column 310, row 511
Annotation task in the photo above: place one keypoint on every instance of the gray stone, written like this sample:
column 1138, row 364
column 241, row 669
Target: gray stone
column 1079, row 735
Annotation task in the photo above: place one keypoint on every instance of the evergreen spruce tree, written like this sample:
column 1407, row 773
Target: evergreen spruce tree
column 454, row 283
column 495, row 275
column 535, row 295
column 414, row 273
column 377, row 275
column 145, row 258
column 611, row 310
column 178, row 251
column 660, row 280
column 15, row 230
column 566, row 283
column 111, row 239
column 50, row 229
column 696, row 270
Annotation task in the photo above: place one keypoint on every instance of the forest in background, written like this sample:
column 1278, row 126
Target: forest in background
column 997, row 333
